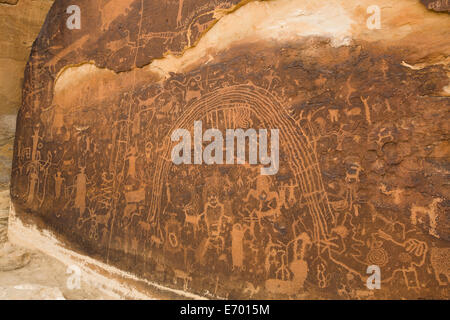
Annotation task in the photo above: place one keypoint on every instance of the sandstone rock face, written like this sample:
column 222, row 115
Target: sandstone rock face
column 437, row 5
column 20, row 22
column 4, row 213
column 359, row 94
column 12, row 2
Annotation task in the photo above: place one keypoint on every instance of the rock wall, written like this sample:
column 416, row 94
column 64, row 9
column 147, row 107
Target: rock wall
column 20, row 22
column 359, row 94
column 437, row 5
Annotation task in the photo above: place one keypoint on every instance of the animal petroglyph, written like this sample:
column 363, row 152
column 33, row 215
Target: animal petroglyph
column 358, row 175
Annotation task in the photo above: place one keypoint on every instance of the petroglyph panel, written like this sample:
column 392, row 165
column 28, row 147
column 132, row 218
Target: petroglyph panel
column 363, row 149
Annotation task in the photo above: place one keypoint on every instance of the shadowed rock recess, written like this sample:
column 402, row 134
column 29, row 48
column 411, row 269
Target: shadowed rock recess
column 361, row 102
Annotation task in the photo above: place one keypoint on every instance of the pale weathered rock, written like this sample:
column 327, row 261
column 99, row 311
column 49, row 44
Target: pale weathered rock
column 4, row 212
column 361, row 104
column 30, row 292
column 7, row 131
column 46, row 278
column 12, row 258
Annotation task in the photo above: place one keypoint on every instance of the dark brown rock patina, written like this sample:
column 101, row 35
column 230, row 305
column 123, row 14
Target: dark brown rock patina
column 363, row 153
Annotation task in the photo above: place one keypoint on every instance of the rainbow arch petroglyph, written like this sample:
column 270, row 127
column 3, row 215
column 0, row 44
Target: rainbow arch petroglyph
column 362, row 146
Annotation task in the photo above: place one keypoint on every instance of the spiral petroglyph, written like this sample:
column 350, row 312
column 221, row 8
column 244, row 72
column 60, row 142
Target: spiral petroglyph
column 360, row 116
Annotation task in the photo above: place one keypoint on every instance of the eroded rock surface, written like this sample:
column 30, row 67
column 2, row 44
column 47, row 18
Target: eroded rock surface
column 12, row 258
column 42, row 278
column 30, row 292
column 437, row 5
column 20, row 23
column 4, row 213
column 361, row 103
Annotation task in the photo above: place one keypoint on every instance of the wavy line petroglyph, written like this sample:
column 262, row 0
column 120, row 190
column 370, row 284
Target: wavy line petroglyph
column 360, row 180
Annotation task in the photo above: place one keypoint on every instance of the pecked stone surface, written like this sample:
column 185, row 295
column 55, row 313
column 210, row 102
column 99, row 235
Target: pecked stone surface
column 362, row 114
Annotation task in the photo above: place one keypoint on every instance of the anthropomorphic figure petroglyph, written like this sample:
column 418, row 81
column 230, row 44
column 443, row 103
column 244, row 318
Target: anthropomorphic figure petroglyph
column 299, row 266
column 353, row 173
column 237, row 248
column 268, row 202
column 59, row 180
column 192, row 218
column 35, row 137
column 33, row 179
column 360, row 141
column 334, row 115
column 80, row 191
